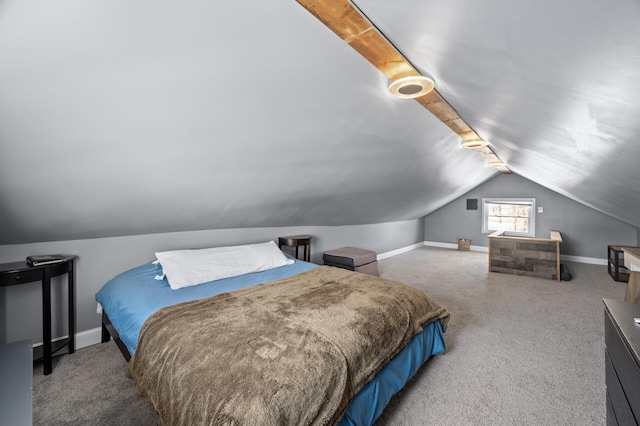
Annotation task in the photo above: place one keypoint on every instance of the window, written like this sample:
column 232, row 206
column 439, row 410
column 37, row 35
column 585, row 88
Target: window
column 515, row 216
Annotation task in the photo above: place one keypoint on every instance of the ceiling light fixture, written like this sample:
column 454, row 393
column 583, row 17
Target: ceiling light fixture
column 474, row 144
column 410, row 87
column 497, row 164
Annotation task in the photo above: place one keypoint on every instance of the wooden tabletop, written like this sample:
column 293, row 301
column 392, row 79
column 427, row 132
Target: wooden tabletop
column 632, row 258
column 295, row 239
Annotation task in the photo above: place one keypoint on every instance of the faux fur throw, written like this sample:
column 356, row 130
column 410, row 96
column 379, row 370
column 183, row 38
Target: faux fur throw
column 292, row 351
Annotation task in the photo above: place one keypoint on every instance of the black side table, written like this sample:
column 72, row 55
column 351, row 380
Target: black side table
column 21, row 273
column 297, row 241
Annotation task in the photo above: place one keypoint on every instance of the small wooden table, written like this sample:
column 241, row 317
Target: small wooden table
column 21, row 273
column 297, row 241
column 632, row 262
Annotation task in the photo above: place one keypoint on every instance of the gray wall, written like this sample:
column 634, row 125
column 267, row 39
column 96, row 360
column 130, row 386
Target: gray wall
column 585, row 231
column 103, row 258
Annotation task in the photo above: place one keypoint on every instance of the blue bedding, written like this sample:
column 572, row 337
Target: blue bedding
column 131, row 297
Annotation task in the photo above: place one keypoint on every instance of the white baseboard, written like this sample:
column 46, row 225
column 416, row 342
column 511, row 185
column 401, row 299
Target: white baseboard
column 582, row 259
column 454, row 246
column 565, row 257
column 83, row 338
column 426, row 243
column 88, row 337
column 398, row 251
column 440, row 245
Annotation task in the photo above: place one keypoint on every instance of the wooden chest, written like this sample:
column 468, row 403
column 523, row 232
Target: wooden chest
column 533, row 257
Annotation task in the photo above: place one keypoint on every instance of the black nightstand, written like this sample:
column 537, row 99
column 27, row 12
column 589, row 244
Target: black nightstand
column 21, row 273
column 297, row 241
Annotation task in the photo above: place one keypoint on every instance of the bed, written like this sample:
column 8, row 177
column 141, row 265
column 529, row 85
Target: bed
column 291, row 344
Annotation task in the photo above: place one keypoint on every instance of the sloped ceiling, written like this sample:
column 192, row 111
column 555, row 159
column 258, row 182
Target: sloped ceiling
column 122, row 118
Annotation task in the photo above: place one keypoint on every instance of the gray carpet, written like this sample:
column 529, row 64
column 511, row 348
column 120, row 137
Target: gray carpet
column 520, row 350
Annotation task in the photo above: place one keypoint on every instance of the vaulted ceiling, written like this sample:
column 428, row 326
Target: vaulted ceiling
column 132, row 117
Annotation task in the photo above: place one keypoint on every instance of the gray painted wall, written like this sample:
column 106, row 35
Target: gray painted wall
column 103, row 258
column 175, row 126
column 585, row 232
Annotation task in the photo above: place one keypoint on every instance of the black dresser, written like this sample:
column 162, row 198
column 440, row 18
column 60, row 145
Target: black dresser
column 622, row 362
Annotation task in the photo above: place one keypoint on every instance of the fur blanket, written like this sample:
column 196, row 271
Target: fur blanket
column 292, row 351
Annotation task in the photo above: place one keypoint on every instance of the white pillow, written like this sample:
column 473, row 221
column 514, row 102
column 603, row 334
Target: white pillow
column 185, row 268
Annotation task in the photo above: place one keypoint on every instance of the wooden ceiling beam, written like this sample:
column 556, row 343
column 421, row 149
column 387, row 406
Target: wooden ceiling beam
column 351, row 25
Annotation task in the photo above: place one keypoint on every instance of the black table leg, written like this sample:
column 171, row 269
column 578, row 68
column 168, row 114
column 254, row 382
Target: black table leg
column 72, row 309
column 46, row 321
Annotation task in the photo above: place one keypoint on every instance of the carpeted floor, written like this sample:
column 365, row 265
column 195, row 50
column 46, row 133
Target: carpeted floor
column 520, row 350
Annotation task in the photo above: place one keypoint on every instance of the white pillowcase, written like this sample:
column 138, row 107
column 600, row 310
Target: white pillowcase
column 185, row 268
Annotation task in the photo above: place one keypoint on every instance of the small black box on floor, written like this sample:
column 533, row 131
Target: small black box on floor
column 353, row 259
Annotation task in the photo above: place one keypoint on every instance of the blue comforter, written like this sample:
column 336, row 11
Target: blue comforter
column 131, row 297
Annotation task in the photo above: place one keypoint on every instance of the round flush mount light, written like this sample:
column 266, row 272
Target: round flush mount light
column 475, row 144
column 412, row 86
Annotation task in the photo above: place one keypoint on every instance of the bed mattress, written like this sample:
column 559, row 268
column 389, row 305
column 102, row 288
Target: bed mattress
column 133, row 296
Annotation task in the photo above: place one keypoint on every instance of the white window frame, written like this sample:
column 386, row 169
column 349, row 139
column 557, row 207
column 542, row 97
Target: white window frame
column 521, row 201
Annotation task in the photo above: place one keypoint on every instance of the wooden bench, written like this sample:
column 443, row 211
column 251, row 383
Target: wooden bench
column 533, row 257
